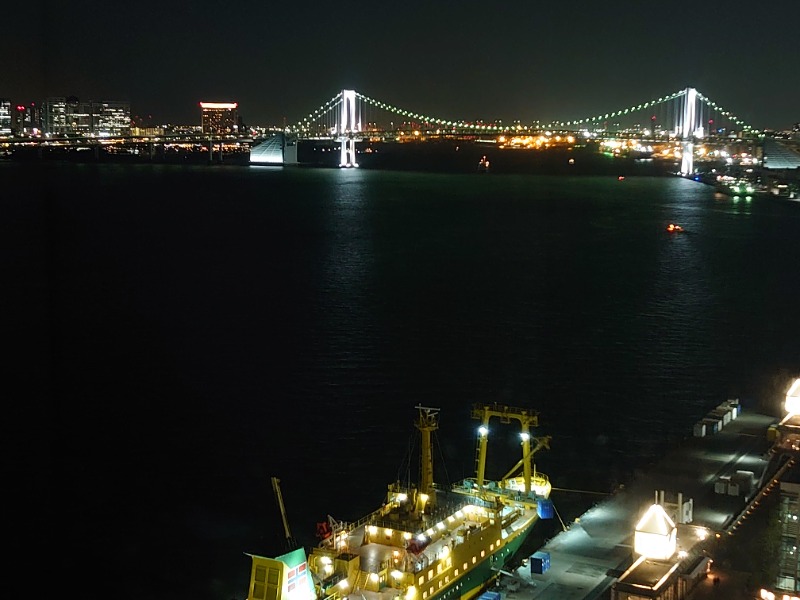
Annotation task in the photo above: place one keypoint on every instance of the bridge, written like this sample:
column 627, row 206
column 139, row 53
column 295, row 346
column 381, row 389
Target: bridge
column 679, row 120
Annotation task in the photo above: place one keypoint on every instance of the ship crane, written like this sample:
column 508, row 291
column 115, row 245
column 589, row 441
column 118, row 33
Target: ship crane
column 291, row 543
column 527, row 419
column 542, row 442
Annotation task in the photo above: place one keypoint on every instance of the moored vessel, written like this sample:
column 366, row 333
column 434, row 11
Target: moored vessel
column 427, row 541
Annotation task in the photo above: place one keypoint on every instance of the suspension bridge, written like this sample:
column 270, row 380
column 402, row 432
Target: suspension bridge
column 685, row 117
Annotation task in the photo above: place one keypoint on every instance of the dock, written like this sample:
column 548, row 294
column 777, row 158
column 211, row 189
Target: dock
column 717, row 477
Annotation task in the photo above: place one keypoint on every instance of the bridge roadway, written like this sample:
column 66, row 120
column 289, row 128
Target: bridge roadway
column 587, row 558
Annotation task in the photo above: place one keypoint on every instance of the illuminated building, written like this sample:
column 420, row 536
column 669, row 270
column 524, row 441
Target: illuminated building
column 787, row 582
column 219, row 117
column 62, row 116
column 110, row 117
column 789, row 513
column 18, row 115
column 5, row 117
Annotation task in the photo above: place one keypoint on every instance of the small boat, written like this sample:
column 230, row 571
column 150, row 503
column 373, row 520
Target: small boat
column 426, row 541
column 483, row 164
column 673, row 228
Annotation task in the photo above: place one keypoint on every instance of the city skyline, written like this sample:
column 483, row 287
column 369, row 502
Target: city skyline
column 515, row 62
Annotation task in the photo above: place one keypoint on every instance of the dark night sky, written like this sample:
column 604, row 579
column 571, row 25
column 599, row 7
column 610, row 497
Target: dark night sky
column 518, row 59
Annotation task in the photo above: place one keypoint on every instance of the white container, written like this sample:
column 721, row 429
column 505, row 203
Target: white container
column 699, row 429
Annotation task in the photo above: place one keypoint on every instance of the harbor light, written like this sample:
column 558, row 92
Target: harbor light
column 656, row 534
column 483, row 430
column 792, row 403
column 525, row 436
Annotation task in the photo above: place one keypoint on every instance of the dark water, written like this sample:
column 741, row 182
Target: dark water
column 193, row 331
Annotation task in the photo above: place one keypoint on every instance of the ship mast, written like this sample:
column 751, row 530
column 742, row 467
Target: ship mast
column 527, row 419
column 427, row 423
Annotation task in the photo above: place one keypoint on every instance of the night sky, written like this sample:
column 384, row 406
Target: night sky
column 469, row 60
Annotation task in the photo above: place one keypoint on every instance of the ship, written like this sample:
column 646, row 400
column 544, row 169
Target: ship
column 427, row 541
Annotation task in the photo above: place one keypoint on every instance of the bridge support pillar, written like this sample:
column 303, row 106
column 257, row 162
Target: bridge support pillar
column 347, row 126
column 688, row 128
column 347, row 154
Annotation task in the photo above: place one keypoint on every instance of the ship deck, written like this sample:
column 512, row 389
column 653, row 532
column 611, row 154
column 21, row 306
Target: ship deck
column 586, row 559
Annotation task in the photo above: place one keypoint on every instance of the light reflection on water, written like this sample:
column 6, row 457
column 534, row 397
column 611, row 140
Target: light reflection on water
column 246, row 323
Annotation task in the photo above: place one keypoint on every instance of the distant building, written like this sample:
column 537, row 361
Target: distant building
column 110, row 117
column 18, row 113
column 33, row 120
column 219, row 117
column 71, row 116
column 5, row 117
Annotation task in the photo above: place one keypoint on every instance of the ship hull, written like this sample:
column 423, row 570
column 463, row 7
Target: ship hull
column 476, row 580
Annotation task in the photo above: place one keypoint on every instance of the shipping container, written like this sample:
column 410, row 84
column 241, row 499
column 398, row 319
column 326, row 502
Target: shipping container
column 544, row 508
column 540, row 562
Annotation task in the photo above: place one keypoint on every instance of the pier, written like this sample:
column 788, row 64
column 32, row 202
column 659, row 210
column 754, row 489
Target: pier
column 597, row 550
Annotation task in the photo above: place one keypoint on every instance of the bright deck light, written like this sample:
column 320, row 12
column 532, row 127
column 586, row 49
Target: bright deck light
column 792, row 404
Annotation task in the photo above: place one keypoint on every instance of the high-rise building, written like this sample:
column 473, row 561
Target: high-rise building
column 18, row 113
column 54, row 116
column 219, row 117
column 110, row 118
column 33, row 119
column 70, row 116
column 5, row 117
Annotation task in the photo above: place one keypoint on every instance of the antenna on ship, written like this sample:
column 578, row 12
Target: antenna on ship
column 291, row 543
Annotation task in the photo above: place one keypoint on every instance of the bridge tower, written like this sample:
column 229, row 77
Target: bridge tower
column 348, row 126
column 688, row 127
